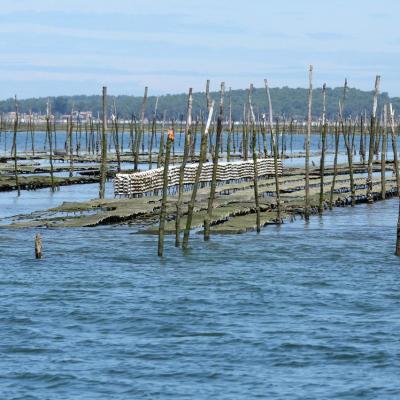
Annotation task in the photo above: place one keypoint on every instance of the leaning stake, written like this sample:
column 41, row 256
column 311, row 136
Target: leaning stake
column 372, row 140
column 396, row 168
column 203, row 153
column 103, row 165
column 163, row 211
column 208, row 216
column 182, row 169
column 275, row 153
column 254, row 145
column 308, row 138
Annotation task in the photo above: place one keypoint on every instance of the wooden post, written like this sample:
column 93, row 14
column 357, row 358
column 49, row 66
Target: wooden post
column 229, row 139
column 202, row 157
column 275, row 153
column 16, row 121
column 372, row 140
column 32, row 124
column 348, row 141
column 153, row 134
column 139, row 134
column 337, row 137
column 103, row 165
column 362, row 141
column 245, row 133
column 70, row 147
column 49, row 135
column 394, row 147
column 213, row 187
column 254, row 145
column 308, row 138
column 208, row 96
column 397, row 173
column 38, row 246
column 383, row 153
column 116, row 136
column 163, row 210
column 323, row 144
column 161, row 144
column 182, row 168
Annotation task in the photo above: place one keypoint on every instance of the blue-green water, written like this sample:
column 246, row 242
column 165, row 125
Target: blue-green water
column 297, row 312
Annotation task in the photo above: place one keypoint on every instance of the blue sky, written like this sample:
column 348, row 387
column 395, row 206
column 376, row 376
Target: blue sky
column 50, row 47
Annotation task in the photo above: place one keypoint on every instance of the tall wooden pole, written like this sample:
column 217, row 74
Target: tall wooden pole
column 49, row 135
column 213, row 187
column 397, row 172
column 116, row 135
column 254, row 145
column 308, row 138
column 139, row 134
column 372, row 140
column 208, row 96
column 103, row 165
column 275, row 153
column 383, row 153
column 394, row 148
column 16, row 121
column 182, row 168
column 335, row 159
column 153, row 134
column 323, row 144
column 161, row 144
column 70, row 147
column 202, row 157
column 163, row 210
column 229, row 139
column 348, row 141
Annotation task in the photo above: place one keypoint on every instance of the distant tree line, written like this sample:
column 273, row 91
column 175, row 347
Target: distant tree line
column 287, row 102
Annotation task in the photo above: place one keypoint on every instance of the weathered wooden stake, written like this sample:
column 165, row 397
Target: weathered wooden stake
column 153, row 134
column 323, row 144
column 140, row 133
column 229, row 139
column 38, row 246
column 254, row 145
column 372, row 140
column 70, row 147
column 202, row 157
column 182, row 168
column 116, row 135
column 161, row 144
column 15, row 147
column 397, row 172
column 163, row 210
column 213, row 187
column 362, row 141
column 348, row 141
column 49, row 135
column 337, row 138
column 308, row 138
column 383, row 153
column 103, row 165
column 275, row 153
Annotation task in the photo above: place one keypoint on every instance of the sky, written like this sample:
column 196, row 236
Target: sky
column 66, row 47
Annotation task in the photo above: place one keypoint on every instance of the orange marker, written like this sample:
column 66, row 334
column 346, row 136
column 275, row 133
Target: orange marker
column 171, row 135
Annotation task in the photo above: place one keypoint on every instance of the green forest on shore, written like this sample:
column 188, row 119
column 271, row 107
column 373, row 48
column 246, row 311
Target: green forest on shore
column 287, row 102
